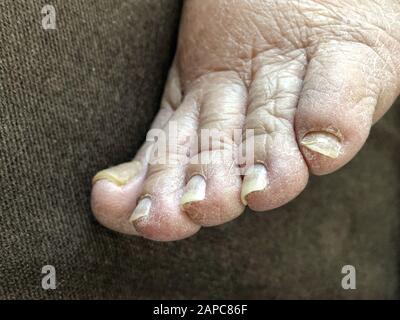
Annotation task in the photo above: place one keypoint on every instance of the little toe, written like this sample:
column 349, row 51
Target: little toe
column 114, row 194
column 116, row 190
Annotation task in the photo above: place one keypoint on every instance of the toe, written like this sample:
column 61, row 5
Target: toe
column 346, row 88
column 114, row 195
column 278, row 173
column 212, row 194
column 116, row 190
column 158, row 215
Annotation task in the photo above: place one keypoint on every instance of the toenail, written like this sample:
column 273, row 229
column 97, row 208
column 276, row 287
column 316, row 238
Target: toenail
column 119, row 175
column 195, row 190
column 142, row 209
column 255, row 179
column 324, row 143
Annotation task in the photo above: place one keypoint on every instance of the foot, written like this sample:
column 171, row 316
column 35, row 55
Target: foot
column 308, row 78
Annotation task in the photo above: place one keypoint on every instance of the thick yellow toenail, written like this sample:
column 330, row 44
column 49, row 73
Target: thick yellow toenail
column 142, row 209
column 119, row 175
column 255, row 179
column 324, row 143
column 195, row 190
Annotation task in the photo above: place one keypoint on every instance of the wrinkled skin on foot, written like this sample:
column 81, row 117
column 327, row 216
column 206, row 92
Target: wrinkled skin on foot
column 309, row 77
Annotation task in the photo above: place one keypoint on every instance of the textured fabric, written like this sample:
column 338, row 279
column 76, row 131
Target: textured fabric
column 80, row 98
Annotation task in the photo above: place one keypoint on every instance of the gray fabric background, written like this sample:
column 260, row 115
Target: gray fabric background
column 80, row 98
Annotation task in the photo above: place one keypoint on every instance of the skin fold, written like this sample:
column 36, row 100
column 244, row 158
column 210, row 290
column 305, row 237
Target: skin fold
column 308, row 77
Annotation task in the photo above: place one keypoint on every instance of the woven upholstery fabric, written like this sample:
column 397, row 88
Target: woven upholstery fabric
column 80, row 98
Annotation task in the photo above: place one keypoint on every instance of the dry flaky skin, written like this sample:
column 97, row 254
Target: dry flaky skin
column 309, row 77
column 229, row 35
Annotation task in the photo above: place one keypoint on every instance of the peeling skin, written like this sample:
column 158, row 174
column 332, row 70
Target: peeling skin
column 284, row 69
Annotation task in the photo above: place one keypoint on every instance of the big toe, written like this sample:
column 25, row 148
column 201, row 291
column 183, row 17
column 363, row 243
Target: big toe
column 341, row 98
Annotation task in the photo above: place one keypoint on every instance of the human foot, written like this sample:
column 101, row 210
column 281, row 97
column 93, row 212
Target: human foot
column 308, row 77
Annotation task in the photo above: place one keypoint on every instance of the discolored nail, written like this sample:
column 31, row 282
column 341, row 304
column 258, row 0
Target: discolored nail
column 322, row 142
column 142, row 209
column 195, row 190
column 120, row 174
column 255, row 179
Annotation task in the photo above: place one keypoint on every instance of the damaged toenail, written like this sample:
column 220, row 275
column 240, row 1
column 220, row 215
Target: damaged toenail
column 142, row 209
column 119, row 175
column 255, row 179
column 324, row 143
column 195, row 190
